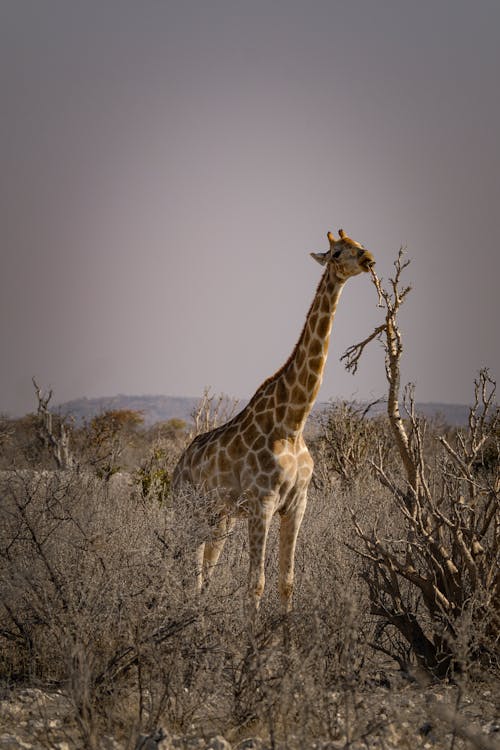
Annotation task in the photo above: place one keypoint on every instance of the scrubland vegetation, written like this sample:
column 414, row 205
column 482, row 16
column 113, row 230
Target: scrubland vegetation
column 394, row 637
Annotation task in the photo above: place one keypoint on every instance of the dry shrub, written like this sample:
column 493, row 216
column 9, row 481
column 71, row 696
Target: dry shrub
column 343, row 443
column 85, row 584
column 96, row 598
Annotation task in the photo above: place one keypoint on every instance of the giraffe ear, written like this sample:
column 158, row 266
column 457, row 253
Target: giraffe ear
column 321, row 258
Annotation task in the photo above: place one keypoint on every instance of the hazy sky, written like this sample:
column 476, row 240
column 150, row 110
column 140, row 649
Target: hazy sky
column 166, row 167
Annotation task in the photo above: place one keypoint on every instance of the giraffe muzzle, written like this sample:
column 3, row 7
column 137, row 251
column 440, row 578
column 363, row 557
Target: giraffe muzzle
column 367, row 261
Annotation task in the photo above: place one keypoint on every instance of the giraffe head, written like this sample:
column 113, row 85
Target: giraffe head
column 346, row 257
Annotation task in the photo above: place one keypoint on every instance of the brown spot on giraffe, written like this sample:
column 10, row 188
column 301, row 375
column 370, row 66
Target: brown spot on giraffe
column 235, row 448
column 315, row 363
column 259, row 442
column 265, row 420
column 224, row 463
column 316, row 348
column 325, row 307
column 280, row 412
column 323, row 326
column 297, row 394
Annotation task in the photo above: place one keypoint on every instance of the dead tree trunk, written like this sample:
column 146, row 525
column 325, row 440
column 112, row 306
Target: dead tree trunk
column 54, row 437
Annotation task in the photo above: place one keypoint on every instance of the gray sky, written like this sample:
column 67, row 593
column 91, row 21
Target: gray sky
column 166, row 167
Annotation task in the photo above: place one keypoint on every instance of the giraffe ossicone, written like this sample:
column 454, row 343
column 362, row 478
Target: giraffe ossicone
column 257, row 464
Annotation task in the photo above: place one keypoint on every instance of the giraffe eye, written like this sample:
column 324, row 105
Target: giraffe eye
column 336, row 254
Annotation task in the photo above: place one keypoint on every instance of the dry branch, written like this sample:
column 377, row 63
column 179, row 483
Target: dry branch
column 449, row 557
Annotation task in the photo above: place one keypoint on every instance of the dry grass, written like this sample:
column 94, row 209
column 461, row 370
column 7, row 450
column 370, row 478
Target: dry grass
column 96, row 603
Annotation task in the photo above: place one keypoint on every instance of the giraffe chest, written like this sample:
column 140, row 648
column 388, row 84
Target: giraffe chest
column 274, row 466
column 265, row 466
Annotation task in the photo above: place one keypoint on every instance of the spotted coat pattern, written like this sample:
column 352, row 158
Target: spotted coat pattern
column 258, row 464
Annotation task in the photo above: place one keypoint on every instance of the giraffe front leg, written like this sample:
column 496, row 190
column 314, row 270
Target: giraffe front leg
column 289, row 529
column 259, row 521
column 200, row 553
column 214, row 547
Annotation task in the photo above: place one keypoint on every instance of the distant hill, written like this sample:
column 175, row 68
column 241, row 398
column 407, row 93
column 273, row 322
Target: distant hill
column 455, row 415
column 154, row 408
column 162, row 408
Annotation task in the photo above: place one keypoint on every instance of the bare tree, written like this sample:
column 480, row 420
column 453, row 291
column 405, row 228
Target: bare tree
column 212, row 411
column 53, row 434
column 445, row 570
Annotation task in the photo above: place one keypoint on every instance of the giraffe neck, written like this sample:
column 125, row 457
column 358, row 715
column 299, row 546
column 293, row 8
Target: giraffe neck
column 298, row 382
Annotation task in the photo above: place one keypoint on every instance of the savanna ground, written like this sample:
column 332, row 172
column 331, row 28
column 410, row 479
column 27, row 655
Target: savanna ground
column 394, row 637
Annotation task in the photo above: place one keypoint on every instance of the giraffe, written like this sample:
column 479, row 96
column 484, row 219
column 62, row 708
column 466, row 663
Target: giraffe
column 257, row 464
